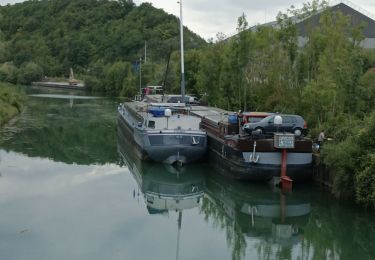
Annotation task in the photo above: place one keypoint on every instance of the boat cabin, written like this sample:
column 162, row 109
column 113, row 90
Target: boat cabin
column 221, row 125
column 149, row 90
column 253, row 117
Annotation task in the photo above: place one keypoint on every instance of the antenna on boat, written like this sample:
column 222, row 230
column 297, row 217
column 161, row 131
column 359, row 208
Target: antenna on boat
column 145, row 52
column 182, row 54
column 140, row 75
column 166, row 69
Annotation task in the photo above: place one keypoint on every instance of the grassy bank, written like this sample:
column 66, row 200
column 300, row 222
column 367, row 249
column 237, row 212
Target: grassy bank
column 11, row 102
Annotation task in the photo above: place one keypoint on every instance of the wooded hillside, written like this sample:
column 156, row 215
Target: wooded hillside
column 49, row 37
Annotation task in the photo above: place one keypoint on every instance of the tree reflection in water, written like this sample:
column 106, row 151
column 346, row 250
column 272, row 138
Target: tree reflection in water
column 50, row 128
column 254, row 215
column 309, row 224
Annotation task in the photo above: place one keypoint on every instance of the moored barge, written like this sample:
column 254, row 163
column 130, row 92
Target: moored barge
column 243, row 156
column 165, row 133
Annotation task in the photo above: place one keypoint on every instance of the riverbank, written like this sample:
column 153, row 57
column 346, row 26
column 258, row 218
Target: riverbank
column 12, row 101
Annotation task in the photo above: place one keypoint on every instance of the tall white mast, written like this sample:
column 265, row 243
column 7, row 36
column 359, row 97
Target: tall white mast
column 182, row 55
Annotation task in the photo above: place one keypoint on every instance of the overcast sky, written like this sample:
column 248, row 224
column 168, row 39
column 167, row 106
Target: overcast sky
column 208, row 17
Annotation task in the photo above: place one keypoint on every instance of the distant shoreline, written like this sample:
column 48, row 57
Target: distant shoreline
column 54, row 84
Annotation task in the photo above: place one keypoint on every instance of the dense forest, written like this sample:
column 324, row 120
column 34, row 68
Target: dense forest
column 330, row 80
column 101, row 40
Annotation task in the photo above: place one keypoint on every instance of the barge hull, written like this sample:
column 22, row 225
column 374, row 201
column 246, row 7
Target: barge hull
column 257, row 172
column 236, row 164
column 167, row 146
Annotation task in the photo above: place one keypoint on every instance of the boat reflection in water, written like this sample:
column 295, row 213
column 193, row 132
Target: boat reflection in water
column 166, row 190
column 165, row 187
column 252, row 213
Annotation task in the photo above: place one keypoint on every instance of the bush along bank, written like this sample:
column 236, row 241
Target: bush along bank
column 11, row 102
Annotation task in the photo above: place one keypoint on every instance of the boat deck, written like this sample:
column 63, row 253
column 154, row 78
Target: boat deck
column 213, row 113
column 182, row 117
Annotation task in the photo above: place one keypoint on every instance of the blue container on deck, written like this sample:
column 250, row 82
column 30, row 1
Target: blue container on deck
column 157, row 111
column 232, row 119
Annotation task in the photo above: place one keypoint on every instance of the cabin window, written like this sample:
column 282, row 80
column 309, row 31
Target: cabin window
column 151, row 124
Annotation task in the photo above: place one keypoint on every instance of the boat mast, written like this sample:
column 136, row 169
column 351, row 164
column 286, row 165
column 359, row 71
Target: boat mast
column 182, row 55
column 140, row 76
column 145, row 52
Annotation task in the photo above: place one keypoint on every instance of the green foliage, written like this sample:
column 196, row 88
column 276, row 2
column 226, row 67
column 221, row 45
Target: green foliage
column 208, row 78
column 192, row 62
column 8, row 73
column 114, row 77
column 365, row 183
column 89, row 36
column 353, row 162
column 366, row 89
column 29, row 72
column 343, row 158
column 92, row 83
column 369, row 59
column 11, row 102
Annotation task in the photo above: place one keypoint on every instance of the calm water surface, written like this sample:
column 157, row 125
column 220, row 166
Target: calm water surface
column 71, row 188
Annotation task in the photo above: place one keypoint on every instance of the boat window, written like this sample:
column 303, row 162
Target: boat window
column 151, row 124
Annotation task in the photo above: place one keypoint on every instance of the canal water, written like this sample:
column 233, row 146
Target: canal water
column 71, row 188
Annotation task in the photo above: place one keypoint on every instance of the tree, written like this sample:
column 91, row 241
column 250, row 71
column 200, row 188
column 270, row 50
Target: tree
column 8, row 73
column 29, row 72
